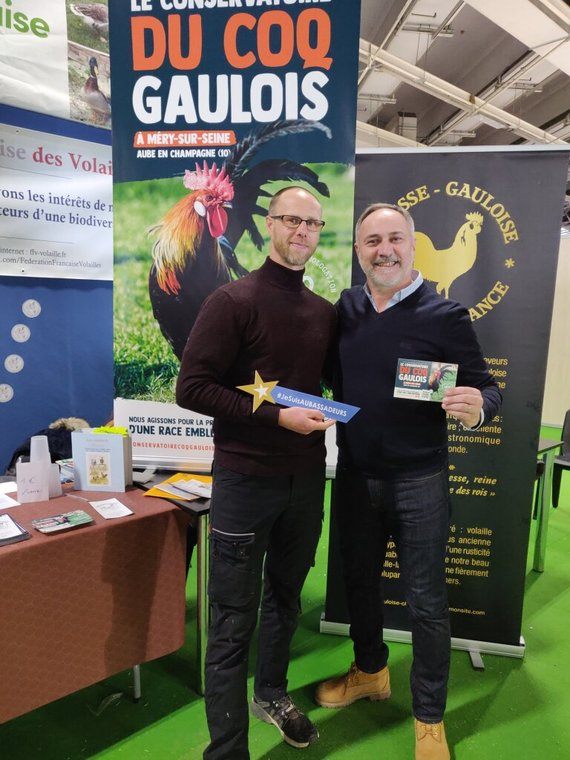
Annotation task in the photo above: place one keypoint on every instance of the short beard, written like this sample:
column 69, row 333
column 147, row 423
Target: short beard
column 296, row 261
column 379, row 281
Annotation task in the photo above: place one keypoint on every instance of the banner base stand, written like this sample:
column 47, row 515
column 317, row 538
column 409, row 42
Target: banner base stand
column 476, row 659
column 475, row 648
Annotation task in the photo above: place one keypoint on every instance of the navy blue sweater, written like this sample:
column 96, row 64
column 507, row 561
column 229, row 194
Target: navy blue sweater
column 392, row 437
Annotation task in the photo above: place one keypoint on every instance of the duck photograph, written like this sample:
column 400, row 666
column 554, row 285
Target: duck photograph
column 88, row 62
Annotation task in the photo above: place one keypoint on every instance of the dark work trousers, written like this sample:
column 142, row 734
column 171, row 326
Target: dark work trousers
column 415, row 513
column 254, row 518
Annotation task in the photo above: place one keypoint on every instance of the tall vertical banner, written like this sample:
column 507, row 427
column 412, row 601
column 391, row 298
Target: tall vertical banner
column 487, row 235
column 216, row 106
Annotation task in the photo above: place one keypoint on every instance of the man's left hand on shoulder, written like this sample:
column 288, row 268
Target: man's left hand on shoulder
column 464, row 404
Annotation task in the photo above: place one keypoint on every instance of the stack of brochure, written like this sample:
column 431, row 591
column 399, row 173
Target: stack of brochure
column 65, row 521
column 187, row 489
column 184, row 487
column 195, row 488
column 10, row 531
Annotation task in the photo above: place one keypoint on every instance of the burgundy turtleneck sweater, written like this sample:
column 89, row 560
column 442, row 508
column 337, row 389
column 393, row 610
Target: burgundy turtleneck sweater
column 270, row 322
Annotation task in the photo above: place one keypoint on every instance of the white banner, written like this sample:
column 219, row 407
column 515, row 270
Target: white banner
column 54, row 58
column 166, row 435
column 55, row 206
column 33, row 57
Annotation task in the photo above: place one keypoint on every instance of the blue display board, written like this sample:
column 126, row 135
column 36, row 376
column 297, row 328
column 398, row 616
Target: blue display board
column 56, row 355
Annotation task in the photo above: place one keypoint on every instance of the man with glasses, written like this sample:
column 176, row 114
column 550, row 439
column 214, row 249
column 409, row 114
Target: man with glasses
column 269, row 466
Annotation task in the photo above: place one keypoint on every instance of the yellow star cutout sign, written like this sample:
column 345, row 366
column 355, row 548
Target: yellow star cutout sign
column 260, row 390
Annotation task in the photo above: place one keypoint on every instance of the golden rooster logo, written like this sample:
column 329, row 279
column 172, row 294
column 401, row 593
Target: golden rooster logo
column 444, row 266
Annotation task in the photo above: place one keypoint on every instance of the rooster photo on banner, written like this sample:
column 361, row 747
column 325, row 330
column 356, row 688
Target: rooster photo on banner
column 217, row 106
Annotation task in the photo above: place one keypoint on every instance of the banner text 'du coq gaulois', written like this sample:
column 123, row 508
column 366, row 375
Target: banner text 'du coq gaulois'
column 272, row 39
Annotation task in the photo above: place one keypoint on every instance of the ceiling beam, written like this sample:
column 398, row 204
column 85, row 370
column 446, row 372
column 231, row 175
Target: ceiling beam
column 385, row 138
column 448, row 19
column 405, row 11
column 400, row 20
column 449, row 93
column 541, row 25
column 501, row 83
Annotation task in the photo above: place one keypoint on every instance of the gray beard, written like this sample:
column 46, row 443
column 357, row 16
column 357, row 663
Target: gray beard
column 296, row 261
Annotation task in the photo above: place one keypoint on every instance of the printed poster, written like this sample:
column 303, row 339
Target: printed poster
column 220, row 105
column 56, row 268
column 56, row 199
column 487, row 235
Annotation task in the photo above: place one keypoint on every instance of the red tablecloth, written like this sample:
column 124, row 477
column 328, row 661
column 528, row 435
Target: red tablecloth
column 81, row 605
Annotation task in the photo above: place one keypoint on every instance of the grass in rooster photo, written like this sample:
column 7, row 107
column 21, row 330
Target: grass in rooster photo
column 178, row 239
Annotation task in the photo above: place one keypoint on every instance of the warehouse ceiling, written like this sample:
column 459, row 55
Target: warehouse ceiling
column 481, row 72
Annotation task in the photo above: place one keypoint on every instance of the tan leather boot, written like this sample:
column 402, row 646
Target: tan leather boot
column 431, row 743
column 346, row 689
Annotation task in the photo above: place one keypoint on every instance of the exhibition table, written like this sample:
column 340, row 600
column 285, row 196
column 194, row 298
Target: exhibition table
column 198, row 512
column 547, row 450
column 81, row 605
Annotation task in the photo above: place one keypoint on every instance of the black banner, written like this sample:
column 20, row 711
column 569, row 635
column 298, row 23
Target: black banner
column 487, row 235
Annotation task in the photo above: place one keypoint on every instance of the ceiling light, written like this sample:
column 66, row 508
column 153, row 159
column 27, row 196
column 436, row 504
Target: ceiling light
column 524, row 84
column 432, row 29
column 384, row 99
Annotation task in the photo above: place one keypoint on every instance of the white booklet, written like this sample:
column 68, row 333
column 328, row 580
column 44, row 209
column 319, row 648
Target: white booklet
column 195, row 487
column 173, row 490
column 8, row 528
column 101, row 461
column 7, row 501
column 110, row 508
column 10, row 531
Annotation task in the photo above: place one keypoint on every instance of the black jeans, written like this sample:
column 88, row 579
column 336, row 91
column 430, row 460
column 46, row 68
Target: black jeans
column 415, row 513
column 254, row 518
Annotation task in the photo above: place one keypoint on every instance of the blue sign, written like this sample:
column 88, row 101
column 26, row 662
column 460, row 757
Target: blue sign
column 332, row 410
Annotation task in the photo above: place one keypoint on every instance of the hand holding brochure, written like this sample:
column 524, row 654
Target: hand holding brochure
column 424, row 380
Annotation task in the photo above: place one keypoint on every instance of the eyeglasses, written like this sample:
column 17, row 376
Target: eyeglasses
column 292, row 222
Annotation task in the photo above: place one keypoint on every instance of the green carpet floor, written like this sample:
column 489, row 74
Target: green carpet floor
column 514, row 710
